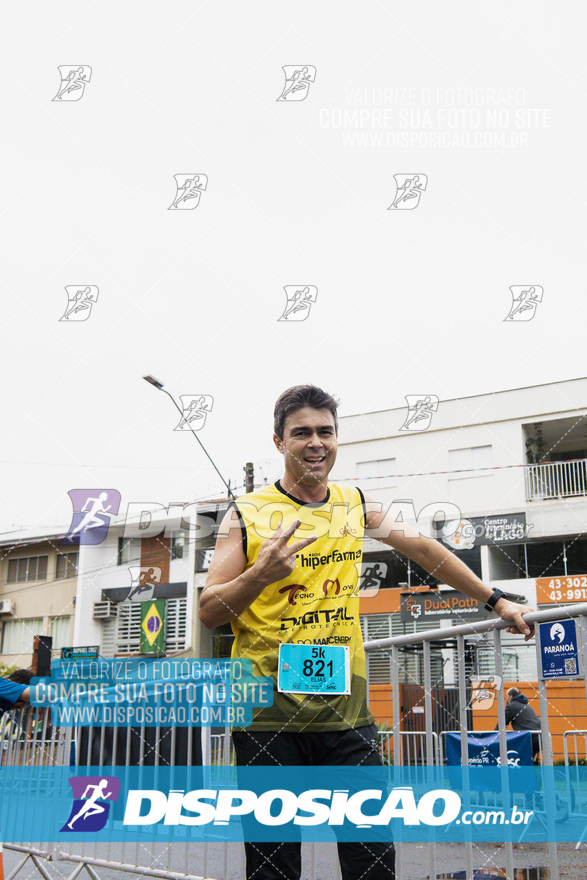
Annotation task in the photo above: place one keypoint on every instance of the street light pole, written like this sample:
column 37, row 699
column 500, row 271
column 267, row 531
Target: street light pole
column 159, row 386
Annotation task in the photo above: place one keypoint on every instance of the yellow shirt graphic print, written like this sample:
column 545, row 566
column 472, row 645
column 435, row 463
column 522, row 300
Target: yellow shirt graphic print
column 317, row 604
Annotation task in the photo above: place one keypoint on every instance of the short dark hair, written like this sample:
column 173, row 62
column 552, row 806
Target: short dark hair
column 298, row 397
column 21, row 676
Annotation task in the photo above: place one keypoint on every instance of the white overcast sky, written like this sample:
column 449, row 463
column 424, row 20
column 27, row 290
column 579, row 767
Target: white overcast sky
column 409, row 301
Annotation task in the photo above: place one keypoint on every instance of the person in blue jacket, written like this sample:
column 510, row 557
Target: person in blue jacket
column 15, row 691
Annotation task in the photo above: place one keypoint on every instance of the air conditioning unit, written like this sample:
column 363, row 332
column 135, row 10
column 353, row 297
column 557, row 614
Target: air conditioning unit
column 105, row 610
column 6, row 606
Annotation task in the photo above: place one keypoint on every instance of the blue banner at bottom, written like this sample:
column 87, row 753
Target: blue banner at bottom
column 144, row 804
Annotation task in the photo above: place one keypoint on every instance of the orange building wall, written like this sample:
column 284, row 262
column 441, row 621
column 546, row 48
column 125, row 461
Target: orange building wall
column 567, row 709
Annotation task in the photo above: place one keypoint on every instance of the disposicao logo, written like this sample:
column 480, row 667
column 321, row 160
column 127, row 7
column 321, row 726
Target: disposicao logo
column 90, row 808
column 280, row 807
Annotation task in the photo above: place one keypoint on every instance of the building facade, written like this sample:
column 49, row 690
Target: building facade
column 38, row 582
column 97, row 594
column 501, row 479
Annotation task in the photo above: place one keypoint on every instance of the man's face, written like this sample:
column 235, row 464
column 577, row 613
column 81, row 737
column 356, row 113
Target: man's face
column 309, row 445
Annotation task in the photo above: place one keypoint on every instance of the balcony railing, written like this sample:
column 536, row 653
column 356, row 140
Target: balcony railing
column 556, row 479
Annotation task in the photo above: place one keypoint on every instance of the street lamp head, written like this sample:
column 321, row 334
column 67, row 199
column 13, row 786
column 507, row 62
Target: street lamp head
column 153, row 381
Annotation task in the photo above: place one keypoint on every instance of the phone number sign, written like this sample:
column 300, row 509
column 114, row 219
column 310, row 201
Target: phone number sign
column 561, row 589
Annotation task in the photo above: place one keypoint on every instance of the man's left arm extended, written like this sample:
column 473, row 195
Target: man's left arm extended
column 437, row 560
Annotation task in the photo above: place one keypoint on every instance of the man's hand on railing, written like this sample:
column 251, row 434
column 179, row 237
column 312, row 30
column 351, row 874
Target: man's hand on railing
column 513, row 612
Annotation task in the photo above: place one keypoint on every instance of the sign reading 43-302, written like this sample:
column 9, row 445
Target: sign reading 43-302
column 561, row 589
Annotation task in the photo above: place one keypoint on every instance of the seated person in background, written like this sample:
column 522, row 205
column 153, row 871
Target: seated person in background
column 522, row 716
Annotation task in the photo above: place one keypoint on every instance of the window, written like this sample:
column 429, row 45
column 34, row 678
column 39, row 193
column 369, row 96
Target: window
column 518, row 661
column 128, row 636
column 178, row 545
column 203, row 559
column 66, row 565
column 385, row 569
column 534, row 560
column 376, row 474
column 222, row 643
column 59, row 628
column 471, row 558
column 507, row 562
column 384, row 626
column 546, row 560
column 469, row 462
column 576, row 551
column 18, row 635
column 129, row 550
column 419, row 577
column 31, row 568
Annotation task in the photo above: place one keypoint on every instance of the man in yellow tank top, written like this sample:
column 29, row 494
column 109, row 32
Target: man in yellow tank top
column 285, row 574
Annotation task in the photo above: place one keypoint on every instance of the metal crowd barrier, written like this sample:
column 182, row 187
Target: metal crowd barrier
column 495, row 627
column 575, row 750
column 412, row 747
column 27, row 738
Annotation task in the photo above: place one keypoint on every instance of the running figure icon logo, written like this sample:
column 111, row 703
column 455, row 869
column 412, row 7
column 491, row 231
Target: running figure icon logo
column 74, row 79
column 80, row 300
column 297, row 82
column 188, row 189
column 92, row 509
column 484, row 692
column 90, row 810
column 409, row 189
column 371, row 577
column 420, row 412
column 525, row 300
column 299, row 301
column 143, row 582
column 194, row 409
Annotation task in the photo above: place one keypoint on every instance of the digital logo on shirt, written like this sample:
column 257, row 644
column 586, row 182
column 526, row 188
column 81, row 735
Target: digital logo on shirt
column 90, row 808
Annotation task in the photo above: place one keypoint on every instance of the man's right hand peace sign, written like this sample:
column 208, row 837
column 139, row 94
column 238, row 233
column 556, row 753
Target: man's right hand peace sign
column 276, row 558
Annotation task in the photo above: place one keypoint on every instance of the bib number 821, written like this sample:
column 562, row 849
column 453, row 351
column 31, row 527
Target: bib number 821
column 317, row 667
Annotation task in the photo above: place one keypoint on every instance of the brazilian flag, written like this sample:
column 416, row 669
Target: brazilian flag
column 153, row 627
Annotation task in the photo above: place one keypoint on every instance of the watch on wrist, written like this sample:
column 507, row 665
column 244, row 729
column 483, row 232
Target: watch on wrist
column 494, row 599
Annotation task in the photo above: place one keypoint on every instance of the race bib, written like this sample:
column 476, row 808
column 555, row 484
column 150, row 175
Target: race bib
column 313, row 669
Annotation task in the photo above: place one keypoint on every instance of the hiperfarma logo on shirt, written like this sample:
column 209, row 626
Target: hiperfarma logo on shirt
column 90, row 808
